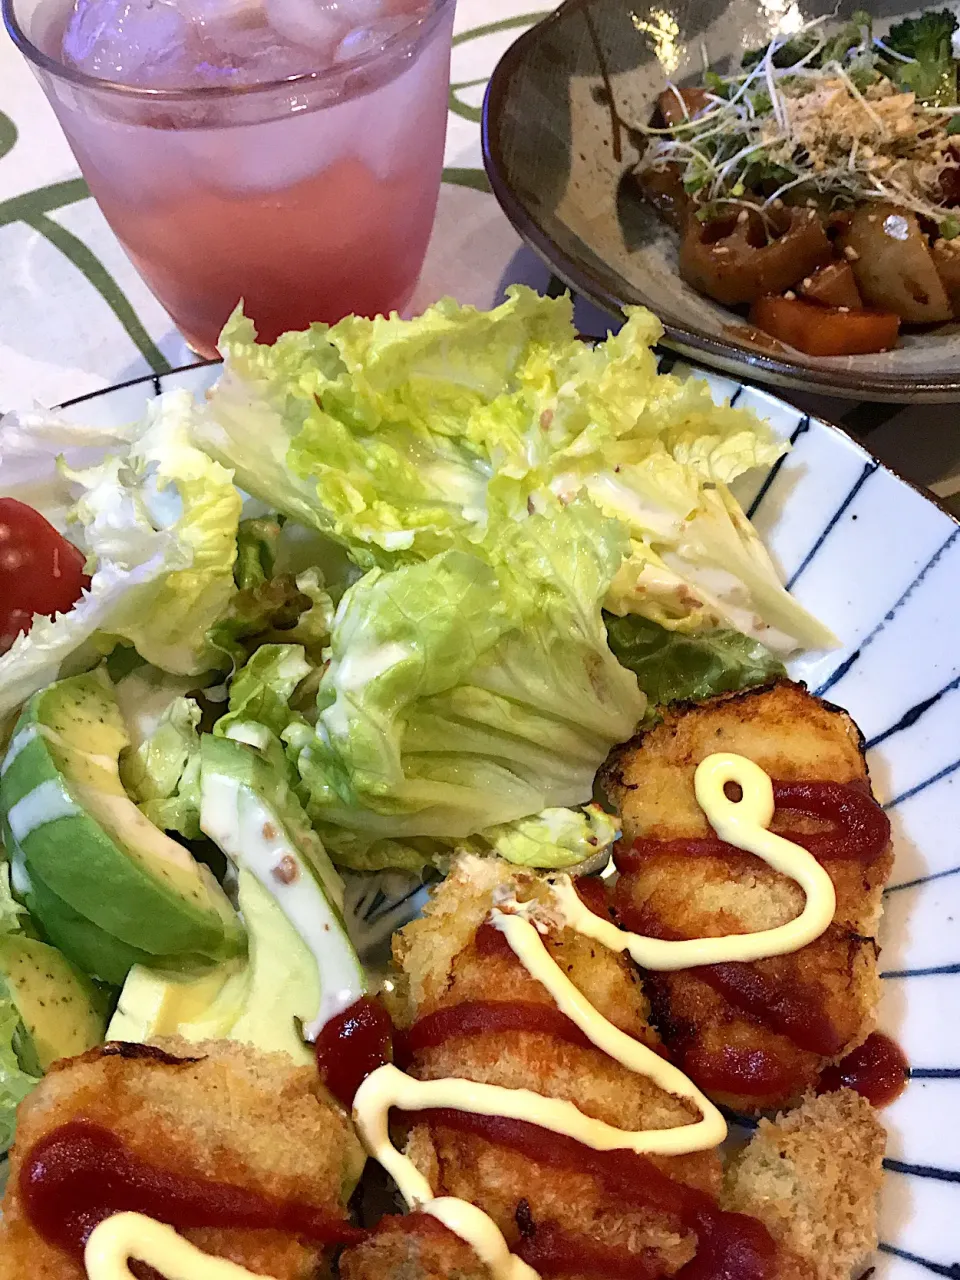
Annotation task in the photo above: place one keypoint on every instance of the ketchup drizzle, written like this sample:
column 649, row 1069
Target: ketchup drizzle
column 730, row 1246
column 485, row 1017
column 878, row 1070
column 81, row 1173
column 861, row 829
column 352, row 1045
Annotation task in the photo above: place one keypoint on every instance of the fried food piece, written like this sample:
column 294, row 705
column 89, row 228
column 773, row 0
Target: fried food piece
column 813, row 1177
column 450, row 958
column 764, row 1044
column 414, row 1247
column 214, row 1110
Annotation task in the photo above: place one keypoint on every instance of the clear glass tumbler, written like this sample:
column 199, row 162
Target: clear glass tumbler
column 309, row 197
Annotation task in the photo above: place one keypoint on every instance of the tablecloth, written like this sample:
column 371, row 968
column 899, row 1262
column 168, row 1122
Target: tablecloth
column 75, row 316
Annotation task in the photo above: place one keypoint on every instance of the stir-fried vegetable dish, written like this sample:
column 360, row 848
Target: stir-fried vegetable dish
column 819, row 184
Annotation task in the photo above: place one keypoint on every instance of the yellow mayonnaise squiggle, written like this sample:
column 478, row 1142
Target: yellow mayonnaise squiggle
column 742, row 823
column 125, row 1236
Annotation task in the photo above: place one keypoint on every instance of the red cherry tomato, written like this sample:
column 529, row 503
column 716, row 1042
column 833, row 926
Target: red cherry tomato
column 40, row 571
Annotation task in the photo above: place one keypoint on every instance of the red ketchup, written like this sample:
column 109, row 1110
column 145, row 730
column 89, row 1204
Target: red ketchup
column 878, row 1070
column 861, row 829
column 81, row 1173
column 489, row 1017
column 352, row 1045
column 730, row 1246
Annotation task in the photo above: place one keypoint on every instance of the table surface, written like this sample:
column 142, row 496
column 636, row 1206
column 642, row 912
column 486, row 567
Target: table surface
column 75, row 316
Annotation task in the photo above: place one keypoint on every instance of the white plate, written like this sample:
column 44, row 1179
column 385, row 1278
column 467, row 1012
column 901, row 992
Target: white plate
column 879, row 563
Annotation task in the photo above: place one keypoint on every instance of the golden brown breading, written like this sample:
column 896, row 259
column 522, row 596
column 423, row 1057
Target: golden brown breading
column 446, row 967
column 416, row 1247
column 792, row 736
column 812, row 1177
column 215, row 1109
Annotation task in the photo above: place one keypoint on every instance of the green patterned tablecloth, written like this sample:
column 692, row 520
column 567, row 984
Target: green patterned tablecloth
column 75, row 316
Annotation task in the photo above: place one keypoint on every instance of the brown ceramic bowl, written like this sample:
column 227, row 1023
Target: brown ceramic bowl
column 557, row 147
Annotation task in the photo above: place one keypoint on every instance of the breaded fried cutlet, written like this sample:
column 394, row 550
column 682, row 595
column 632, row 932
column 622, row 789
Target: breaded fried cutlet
column 813, row 1177
column 215, row 1110
column 755, row 1037
column 413, row 1247
column 452, row 959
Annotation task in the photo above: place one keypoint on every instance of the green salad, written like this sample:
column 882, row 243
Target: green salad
column 393, row 590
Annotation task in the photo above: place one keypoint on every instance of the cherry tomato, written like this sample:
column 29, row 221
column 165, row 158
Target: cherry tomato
column 40, row 571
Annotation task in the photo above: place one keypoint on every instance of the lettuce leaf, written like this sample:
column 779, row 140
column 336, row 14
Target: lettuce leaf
column 15, row 1080
column 158, row 523
column 672, row 666
column 555, row 838
column 161, row 768
column 402, row 439
column 262, row 689
column 470, row 690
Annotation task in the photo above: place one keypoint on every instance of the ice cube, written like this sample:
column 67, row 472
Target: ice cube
column 320, row 24
column 124, row 39
column 368, row 38
column 246, row 54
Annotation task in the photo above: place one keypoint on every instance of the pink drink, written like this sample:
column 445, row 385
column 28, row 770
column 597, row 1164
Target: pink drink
column 309, row 198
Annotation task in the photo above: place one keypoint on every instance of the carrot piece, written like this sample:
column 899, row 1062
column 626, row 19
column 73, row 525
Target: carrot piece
column 832, row 286
column 825, row 331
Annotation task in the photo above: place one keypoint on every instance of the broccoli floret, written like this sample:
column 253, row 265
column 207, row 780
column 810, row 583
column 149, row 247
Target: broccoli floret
column 932, row 75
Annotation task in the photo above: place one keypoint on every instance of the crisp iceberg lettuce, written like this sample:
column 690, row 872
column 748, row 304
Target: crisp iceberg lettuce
column 402, row 439
column 470, row 690
column 158, row 523
column 160, row 769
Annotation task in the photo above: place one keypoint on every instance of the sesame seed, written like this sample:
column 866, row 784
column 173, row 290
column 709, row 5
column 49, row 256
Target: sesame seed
column 843, row 309
column 807, row 281
column 850, row 253
column 790, row 296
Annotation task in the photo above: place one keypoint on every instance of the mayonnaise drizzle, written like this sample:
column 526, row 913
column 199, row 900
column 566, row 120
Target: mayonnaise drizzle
column 125, row 1236
column 742, row 823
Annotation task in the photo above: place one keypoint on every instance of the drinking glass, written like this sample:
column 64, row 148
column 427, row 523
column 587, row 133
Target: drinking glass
column 309, row 197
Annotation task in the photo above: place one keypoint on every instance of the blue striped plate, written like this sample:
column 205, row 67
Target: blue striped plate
column 880, row 564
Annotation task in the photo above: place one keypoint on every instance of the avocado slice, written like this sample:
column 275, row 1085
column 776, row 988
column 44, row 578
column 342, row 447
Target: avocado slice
column 156, row 1002
column 95, row 952
column 77, row 834
column 262, row 1002
column 62, row 1012
column 248, row 808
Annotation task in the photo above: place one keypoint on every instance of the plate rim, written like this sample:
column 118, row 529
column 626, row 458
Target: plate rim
column 730, row 356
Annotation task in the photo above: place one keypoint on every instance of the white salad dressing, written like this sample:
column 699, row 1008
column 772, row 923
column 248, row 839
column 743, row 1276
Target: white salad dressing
column 248, row 831
column 741, row 823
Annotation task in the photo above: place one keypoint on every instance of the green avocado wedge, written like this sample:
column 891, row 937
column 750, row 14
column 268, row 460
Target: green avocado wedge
column 96, row 952
column 68, row 822
column 62, row 1012
column 248, row 808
